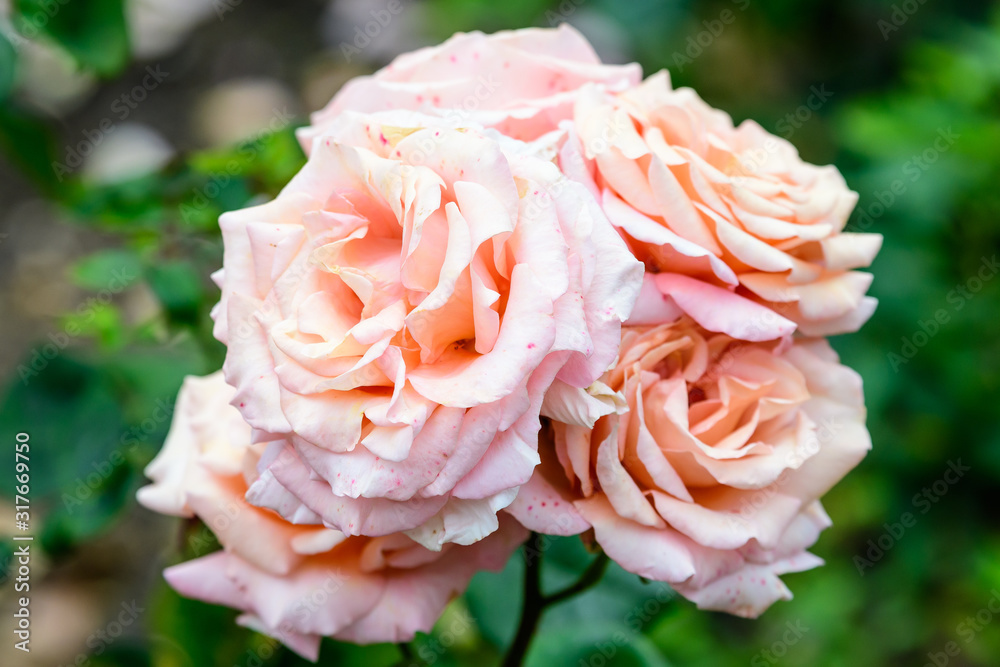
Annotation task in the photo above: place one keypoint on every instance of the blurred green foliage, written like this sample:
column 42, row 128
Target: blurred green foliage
column 94, row 33
column 914, row 124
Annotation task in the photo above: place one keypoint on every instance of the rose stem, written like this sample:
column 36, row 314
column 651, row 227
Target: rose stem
column 535, row 602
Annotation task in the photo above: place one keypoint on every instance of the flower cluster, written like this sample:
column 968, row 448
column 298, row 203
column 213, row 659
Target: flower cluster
column 514, row 288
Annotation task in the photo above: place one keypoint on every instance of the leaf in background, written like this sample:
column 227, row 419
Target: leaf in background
column 112, row 269
column 119, row 654
column 494, row 600
column 124, row 206
column 93, row 32
column 617, row 599
column 147, row 380
column 100, row 321
column 178, row 285
column 8, row 66
column 271, row 159
column 91, row 505
column 29, row 144
column 93, row 427
column 593, row 644
column 189, row 633
column 71, row 414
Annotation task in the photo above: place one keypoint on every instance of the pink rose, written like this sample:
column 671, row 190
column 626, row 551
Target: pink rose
column 700, row 460
column 395, row 316
column 734, row 207
column 296, row 583
column 521, row 82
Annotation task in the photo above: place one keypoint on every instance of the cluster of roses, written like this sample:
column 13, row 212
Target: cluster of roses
column 514, row 289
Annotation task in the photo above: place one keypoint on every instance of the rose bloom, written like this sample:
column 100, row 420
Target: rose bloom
column 706, row 462
column 520, row 82
column 734, row 207
column 394, row 317
column 296, row 583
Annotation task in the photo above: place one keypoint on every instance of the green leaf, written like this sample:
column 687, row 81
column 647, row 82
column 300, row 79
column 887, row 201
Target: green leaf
column 30, row 144
column 189, row 633
column 494, row 600
column 591, row 644
column 112, row 270
column 178, row 285
column 72, row 417
column 8, row 66
column 93, row 32
column 91, row 505
column 148, row 378
column 94, row 319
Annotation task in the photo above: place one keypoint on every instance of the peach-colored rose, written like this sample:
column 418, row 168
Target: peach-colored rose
column 395, row 316
column 521, row 82
column 706, row 462
column 734, row 207
column 296, row 583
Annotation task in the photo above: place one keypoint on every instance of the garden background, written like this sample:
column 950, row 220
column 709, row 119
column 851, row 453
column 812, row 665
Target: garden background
column 128, row 126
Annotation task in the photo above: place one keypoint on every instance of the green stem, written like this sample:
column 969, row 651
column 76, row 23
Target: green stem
column 590, row 576
column 535, row 602
column 532, row 605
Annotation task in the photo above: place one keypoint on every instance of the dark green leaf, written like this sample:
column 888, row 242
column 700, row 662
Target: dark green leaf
column 94, row 32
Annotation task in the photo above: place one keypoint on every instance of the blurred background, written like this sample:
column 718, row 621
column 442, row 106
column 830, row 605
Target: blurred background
column 128, row 126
